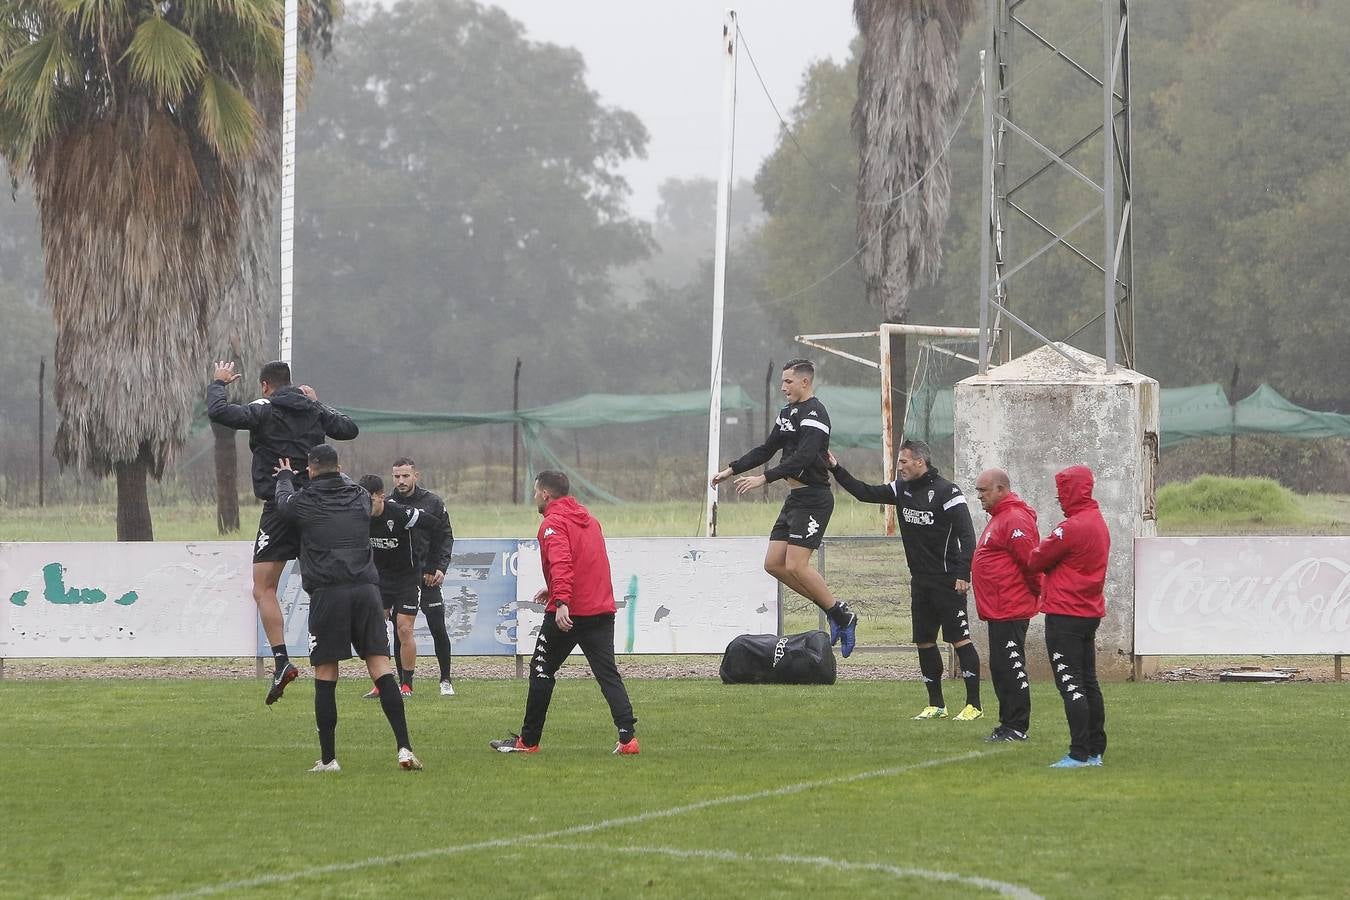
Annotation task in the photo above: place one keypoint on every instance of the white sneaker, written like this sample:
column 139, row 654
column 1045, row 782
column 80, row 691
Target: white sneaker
column 447, row 689
column 321, row 766
column 407, row 761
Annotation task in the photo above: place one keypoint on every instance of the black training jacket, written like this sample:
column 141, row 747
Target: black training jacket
column 934, row 521
column 802, row 432
column 283, row 426
column 332, row 513
column 431, row 547
column 393, row 536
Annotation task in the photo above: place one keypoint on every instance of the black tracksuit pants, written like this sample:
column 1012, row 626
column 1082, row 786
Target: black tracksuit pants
column 595, row 636
column 1071, row 642
column 1008, row 672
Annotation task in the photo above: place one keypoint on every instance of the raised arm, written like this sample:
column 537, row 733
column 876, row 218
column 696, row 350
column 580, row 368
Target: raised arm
column 867, row 493
column 336, row 425
column 286, row 494
column 220, row 410
column 756, row 457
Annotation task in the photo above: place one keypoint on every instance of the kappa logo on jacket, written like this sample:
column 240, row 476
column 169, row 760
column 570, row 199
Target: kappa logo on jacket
column 1017, row 533
column 1059, row 533
column 548, row 532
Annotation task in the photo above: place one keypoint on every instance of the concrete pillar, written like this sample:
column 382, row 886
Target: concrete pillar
column 1039, row 414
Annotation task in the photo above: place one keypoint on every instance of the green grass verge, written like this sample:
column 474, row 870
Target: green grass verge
column 1180, row 512
column 150, row 788
column 1218, row 504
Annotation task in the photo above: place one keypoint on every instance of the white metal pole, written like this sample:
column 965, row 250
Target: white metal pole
column 288, row 84
column 729, row 37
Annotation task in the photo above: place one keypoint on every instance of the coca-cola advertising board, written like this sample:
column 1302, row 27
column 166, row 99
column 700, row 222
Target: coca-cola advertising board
column 1242, row 596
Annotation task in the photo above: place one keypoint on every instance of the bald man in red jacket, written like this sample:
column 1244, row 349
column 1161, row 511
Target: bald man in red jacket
column 1005, row 597
column 1073, row 558
column 578, row 611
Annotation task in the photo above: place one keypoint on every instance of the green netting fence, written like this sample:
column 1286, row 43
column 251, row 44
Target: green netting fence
column 1187, row 413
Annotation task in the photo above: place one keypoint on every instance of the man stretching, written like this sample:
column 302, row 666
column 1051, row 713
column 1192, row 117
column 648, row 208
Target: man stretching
column 802, row 432
column 939, row 541
column 332, row 514
column 284, row 423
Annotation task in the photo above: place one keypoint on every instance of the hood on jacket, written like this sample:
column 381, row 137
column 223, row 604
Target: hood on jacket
column 569, row 509
column 1010, row 502
column 290, row 397
column 1074, row 486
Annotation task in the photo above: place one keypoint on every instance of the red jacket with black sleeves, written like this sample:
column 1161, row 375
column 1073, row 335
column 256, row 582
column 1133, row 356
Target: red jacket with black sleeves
column 1005, row 588
column 576, row 564
column 1074, row 555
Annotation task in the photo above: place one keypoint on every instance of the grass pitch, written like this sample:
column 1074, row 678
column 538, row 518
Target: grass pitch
column 183, row 787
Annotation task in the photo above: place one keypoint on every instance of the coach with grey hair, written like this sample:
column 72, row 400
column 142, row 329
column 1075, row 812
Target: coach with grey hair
column 939, row 539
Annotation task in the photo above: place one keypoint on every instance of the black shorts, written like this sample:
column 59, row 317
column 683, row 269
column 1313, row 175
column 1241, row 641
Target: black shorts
column 277, row 540
column 806, row 512
column 936, row 603
column 346, row 618
column 399, row 594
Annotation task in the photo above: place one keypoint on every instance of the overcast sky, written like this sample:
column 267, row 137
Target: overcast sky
column 661, row 59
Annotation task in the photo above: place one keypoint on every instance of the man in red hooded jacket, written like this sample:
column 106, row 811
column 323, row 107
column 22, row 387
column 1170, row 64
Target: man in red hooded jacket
column 578, row 610
column 1073, row 558
column 1005, row 597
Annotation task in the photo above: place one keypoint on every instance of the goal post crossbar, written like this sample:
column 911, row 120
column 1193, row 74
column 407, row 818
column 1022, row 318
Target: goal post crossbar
column 883, row 333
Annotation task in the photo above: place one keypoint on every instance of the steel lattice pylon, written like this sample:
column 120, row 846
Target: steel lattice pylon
column 1009, row 216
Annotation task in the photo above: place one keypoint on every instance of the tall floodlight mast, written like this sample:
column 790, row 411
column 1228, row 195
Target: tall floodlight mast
column 1016, row 227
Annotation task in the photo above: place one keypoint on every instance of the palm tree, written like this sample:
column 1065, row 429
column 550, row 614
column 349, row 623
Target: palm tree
column 907, row 95
column 238, row 322
column 133, row 119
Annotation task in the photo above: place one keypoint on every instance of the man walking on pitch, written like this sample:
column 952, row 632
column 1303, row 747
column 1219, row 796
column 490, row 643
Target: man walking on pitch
column 1005, row 597
column 432, row 553
column 332, row 515
column 802, row 433
column 393, row 527
column 939, row 540
column 1073, row 558
column 579, row 610
column 284, row 423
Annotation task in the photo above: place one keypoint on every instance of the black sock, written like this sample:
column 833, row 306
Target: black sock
column 398, row 655
column 279, row 656
column 930, row 663
column 839, row 614
column 969, row 658
column 627, row 734
column 325, row 715
column 392, row 704
column 408, row 676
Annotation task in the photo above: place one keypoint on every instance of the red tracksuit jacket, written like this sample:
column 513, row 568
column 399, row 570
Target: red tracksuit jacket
column 1004, row 587
column 1073, row 556
column 576, row 564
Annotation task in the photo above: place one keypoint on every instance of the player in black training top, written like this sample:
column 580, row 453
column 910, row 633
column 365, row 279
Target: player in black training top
column 939, row 542
column 432, row 557
column 332, row 515
column 391, row 543
column 284, row 423
column 802, row 432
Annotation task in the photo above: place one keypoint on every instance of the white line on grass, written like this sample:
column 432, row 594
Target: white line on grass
column 787, row 790
column 999, row 887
